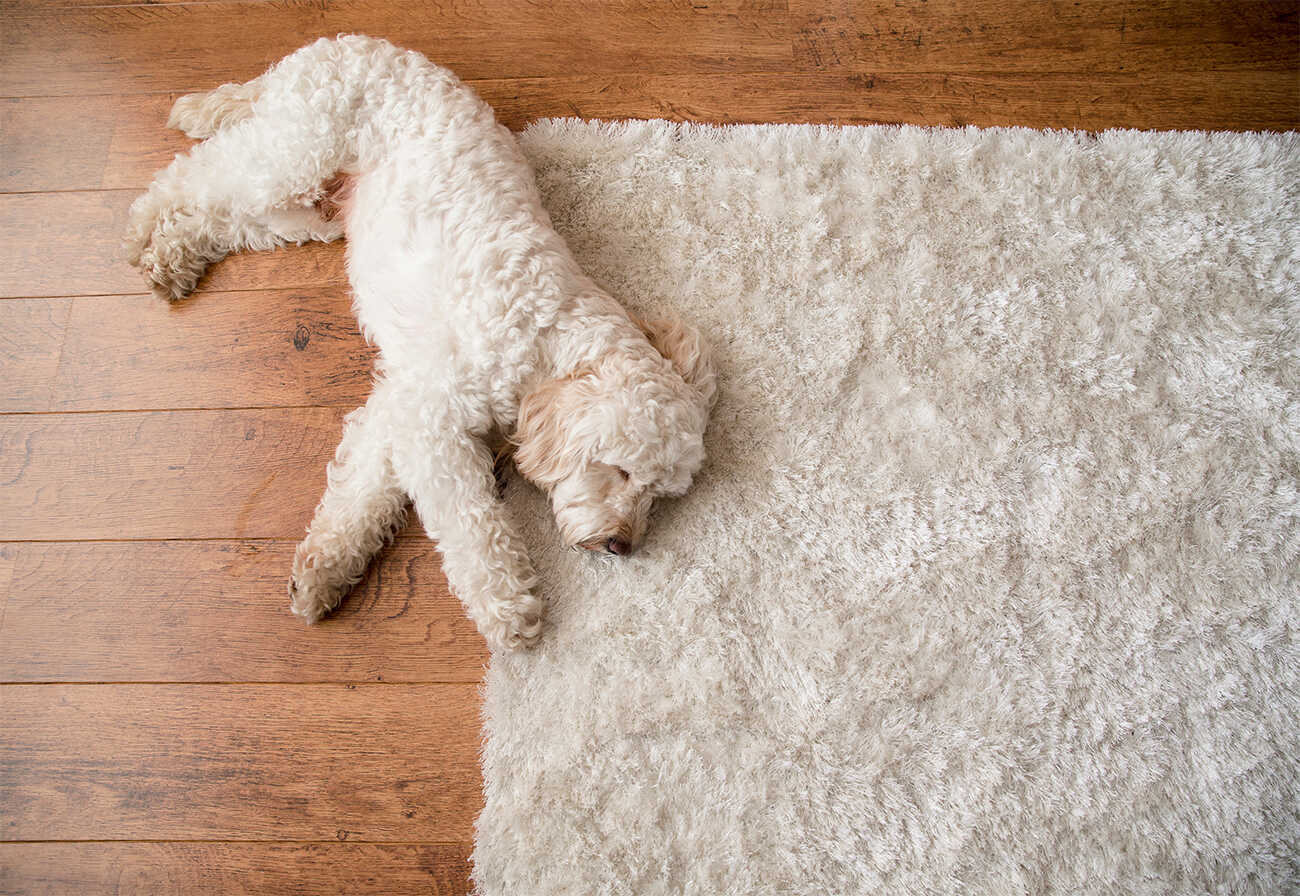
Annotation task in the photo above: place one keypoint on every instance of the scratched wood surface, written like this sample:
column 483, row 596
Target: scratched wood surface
column 165, row 725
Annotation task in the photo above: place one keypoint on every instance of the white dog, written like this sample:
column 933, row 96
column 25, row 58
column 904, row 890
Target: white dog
column 484, row 322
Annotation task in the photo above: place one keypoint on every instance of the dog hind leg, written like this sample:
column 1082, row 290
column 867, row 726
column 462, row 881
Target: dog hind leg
column 362, row 509
column 252, row 186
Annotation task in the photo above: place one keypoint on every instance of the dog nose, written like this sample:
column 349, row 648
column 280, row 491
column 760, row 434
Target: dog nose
column 618, row 546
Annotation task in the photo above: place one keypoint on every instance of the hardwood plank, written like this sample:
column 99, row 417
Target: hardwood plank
column 85, row 142
column 219, row 349
column 173, row 474
column 1155, row 100
column 234, row 869
column 239, row 762
column 8, row 557
column 72, row 4
column 64, row 244
column 190, row 46
column 155, row 48
column 26, row 127
column 39, row 156
column 31, row 340
column 1030, row 35
column 217, row 612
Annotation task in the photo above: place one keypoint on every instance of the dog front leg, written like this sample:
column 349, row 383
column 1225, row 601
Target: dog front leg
column 451, row 483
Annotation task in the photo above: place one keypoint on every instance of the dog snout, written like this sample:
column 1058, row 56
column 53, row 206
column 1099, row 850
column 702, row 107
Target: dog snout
column 613, row 544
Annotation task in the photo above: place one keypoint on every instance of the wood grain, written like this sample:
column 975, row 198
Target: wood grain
column 172, row 474
column 60, row 52
column 380, row 762
column 8, row 558
column 217, row 612
column 217, row 349
column 118, row 142
column 1150, row 100
column 234, row 869
column 65, row 244
column 1033, row 36
column 85, row 142
column 31, row 340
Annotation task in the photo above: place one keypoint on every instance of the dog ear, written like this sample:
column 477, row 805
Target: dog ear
column 686, row 350
column 542, row 454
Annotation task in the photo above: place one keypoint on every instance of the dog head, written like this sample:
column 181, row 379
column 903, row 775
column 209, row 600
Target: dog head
column 608, row 439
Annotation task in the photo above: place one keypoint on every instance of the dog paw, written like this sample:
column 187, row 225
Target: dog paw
column 201, row 115
column 303, row 602
column 514, row 625
column 154, row 247
column 312, row 602
column 192, row 115
column 315, row 588
column 170, row 282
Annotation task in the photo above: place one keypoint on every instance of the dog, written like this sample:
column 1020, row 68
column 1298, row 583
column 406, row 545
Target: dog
column 485, row 324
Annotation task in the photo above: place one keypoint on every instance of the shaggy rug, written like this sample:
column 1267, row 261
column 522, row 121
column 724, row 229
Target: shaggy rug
column 990, row 582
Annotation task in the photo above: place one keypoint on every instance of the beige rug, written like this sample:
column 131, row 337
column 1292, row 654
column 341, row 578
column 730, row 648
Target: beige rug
column 990, row 584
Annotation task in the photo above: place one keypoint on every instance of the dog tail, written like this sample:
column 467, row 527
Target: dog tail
column 201, row 115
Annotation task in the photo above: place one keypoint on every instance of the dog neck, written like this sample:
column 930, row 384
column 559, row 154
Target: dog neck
column 588, row 329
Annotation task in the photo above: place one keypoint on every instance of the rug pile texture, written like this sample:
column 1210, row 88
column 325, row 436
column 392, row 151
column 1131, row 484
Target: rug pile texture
column 990, row 582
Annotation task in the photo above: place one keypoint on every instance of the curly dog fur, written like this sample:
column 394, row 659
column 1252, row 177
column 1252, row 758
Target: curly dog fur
column 484, row 322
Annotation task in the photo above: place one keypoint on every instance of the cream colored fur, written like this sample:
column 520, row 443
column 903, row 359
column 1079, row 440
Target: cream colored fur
column 473, row 300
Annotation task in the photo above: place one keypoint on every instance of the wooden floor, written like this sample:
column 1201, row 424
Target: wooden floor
column 165, row 725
